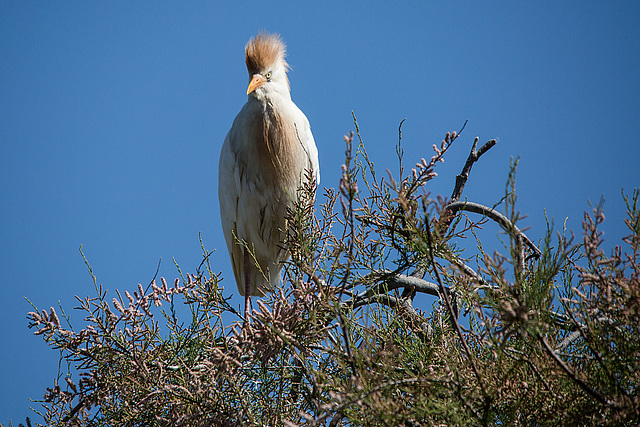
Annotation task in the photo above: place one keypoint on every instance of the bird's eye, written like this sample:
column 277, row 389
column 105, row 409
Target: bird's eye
column 268, row 75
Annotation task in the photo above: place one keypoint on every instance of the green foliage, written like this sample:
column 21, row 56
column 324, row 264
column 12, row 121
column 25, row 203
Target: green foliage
column 547, row 335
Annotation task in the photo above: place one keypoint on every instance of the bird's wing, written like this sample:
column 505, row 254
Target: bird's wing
column 229, row 190
column 308, row 143
column 248, row 213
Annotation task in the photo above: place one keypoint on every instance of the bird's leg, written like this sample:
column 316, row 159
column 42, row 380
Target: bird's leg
column 247, row 306
column 247, row 286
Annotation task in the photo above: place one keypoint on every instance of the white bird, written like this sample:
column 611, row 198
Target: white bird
column 262, row 164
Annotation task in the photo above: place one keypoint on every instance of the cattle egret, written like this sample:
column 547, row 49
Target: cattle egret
column 262, row 164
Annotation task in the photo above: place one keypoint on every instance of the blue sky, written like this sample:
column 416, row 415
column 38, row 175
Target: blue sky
column 112, row 116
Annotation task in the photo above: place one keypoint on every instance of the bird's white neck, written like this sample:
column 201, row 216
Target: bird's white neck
column 273, row 96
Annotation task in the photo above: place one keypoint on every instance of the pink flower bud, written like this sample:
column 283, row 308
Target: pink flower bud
column 118, row 306
column 54, row 318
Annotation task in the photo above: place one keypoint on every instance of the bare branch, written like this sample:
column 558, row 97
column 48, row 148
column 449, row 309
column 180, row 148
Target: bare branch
column 474, row 156
column 573, row 336
column 502, row 220
column 470, row 272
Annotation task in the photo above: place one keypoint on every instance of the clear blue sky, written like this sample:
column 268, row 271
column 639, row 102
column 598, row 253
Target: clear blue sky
column 112, row 116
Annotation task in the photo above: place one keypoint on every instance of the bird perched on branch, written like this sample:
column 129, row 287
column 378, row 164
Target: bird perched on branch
column 262, row 165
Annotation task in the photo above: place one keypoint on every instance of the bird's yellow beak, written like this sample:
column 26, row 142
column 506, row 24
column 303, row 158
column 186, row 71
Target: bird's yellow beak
column 256, row 81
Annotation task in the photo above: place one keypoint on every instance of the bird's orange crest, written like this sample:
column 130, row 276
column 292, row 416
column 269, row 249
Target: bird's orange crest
column 263, row 51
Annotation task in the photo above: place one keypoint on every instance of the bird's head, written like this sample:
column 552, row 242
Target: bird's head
column 264, row 55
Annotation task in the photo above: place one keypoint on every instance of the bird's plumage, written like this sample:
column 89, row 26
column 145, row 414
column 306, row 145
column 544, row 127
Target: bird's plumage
column 262, row 165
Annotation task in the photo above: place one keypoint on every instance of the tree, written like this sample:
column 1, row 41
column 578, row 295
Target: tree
column 539, row 335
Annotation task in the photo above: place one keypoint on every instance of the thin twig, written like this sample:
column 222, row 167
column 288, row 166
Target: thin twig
column 454, row 318
column 591, row 392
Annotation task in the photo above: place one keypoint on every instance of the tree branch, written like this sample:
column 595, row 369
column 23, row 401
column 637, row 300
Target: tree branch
column 453, row 314
column 502, row 220
column 591, row 392
column 567, row 341
column 474, row 155
column 470, row 272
